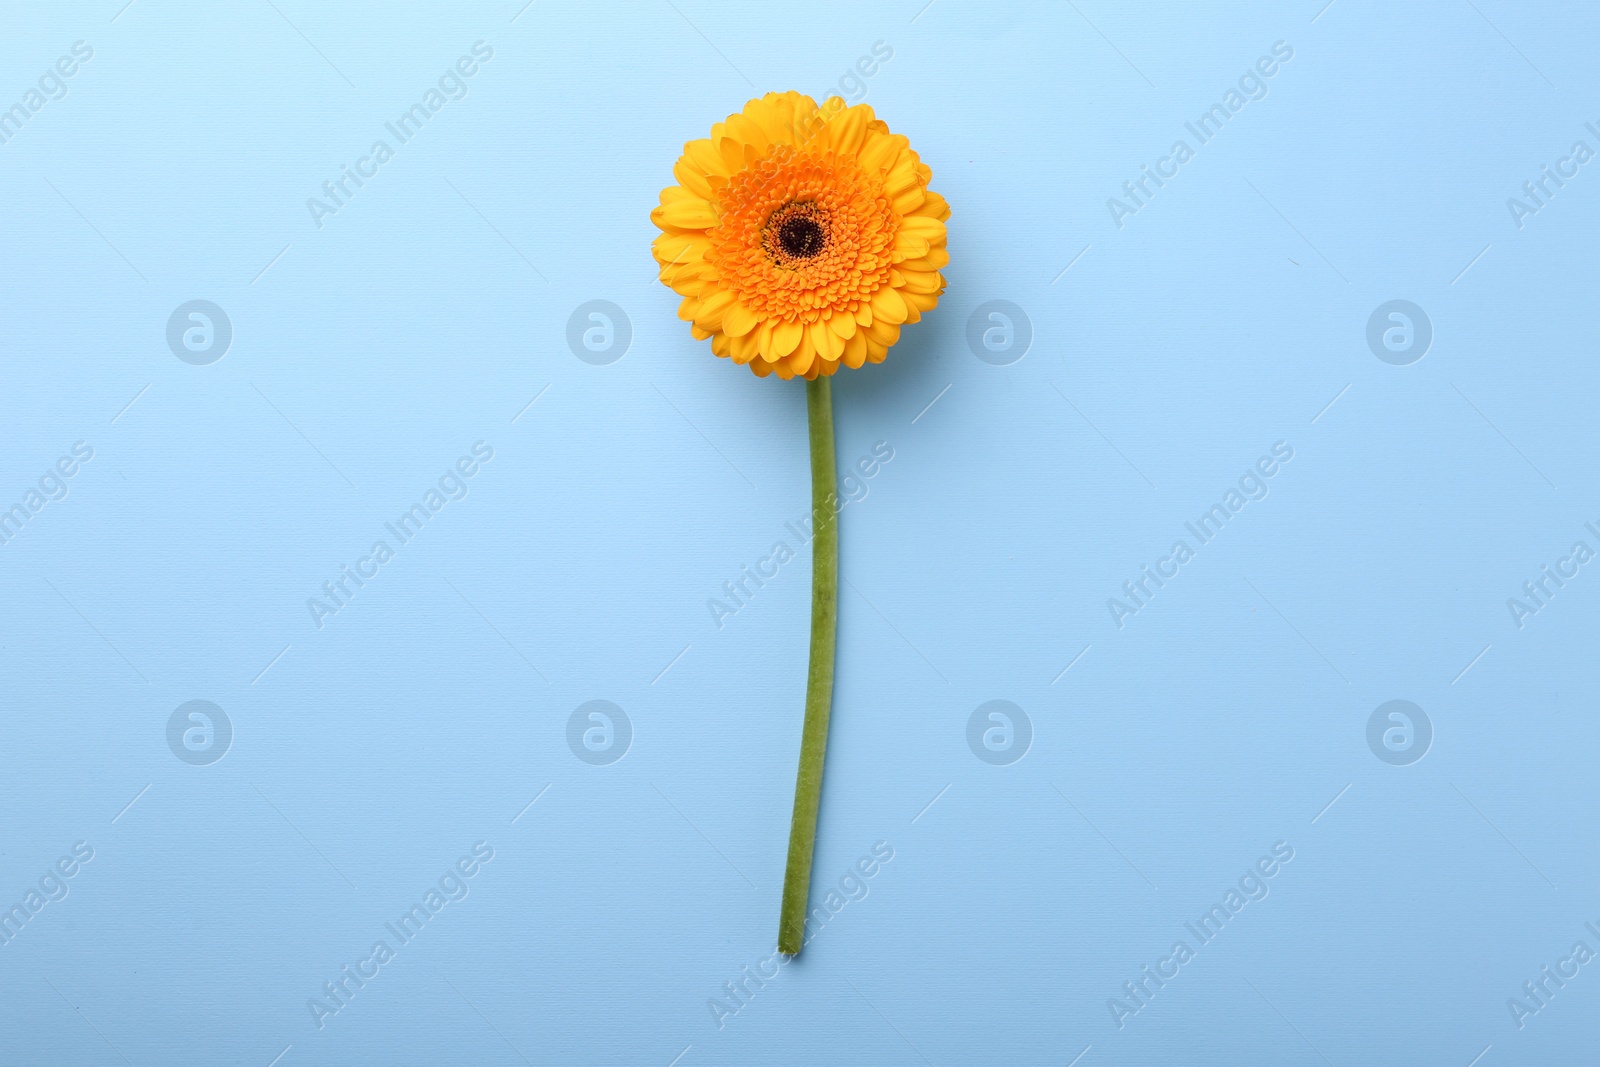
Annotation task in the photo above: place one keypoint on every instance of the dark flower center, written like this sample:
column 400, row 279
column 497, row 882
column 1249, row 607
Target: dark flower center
column 801, row 236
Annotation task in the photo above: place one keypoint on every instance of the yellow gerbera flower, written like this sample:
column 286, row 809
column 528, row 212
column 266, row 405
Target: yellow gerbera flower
column 801, row 237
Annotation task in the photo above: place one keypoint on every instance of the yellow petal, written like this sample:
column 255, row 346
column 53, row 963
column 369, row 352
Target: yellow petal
column 934, row 206
column 775, row 114
column 887, row 307
column 843, row 324
column 814, row 128
column 692, row 214
column 747, row 130
column 739, row 320
column 910, row 246
column 803, row 356
column 709, row 314
column 855, row 351
column 930, row 230
column 705, row 158
column 902, row 177
column 694, row 268
column 785, row 336
column 744, row 348
column 880, row 152
column 908, row 201
column 883, row 333
column 828, row 344
column 672, row 249
column 848, row 129
column 691, row 179
column 737, row 153
column 936, row 258
column 687, row 281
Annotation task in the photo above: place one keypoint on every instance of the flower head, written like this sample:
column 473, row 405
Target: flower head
column 801, row 237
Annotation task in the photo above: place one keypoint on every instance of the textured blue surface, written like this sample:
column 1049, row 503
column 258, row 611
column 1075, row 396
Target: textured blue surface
column 1175, row 737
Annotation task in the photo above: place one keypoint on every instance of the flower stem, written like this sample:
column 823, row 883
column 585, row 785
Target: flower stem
column 819, row 679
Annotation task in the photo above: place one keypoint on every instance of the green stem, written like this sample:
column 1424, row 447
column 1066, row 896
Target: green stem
column 819, row 679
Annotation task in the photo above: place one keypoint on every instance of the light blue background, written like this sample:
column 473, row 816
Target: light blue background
column 370, row 353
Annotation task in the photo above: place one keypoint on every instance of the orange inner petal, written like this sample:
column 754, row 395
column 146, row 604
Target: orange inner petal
column 802, row 233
